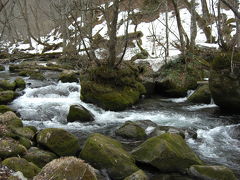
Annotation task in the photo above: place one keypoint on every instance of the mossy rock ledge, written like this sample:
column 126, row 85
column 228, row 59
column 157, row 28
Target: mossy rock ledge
column 28, row 169
column 59, row 141
column 211, row 172
column 68, row 168
column 80, row 114
column 106, row 153
column 224, row 83
column 111, row 89
column 167, row 152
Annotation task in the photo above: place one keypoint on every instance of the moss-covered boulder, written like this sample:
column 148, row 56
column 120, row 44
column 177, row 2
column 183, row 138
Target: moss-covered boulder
column 4, row 108
column 131, row 130
column 37, row 75
column 59, row 141
column 20, row 83
column 33, row 128
column 24, row 132
column 80, row 114
column 201, row 95
column 9, row 147
column 7, row 97
column 10, row 119
column 224, row 82
column 211, row 172
column 2, row 68
column 28, row 169
column 39, row 157
column 68, row 168
column 6, row 85
column 68, row 76
column 167, row 152
column 106, row 153
column 139, row 175
column 176, row 78
column 111, row 89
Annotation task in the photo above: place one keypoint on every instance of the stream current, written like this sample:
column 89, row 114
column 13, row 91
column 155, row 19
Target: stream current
column 46, row 104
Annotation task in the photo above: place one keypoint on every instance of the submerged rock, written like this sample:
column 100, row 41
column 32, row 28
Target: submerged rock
column 28, row 169
column 211, row 172
column 201, row 95
column 167, row 152
column 131, row 130
column 39, row 157
column 9, row 147
column 106, row 153
column 67, row 168
column 59, row 141
column 7, row 97
column 80, row 114
column 224, row 83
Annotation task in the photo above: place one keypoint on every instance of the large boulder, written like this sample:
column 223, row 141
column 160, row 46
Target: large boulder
column 39, row 157
column 28, row 169
column 10, row 119
column 111, row 89
column 139, row 175
column 131, row 130
column 7, row 97
column 202, row 95
column 80, row 114
column 59, row 141
column 106, row 153
column 176, row 78
column 224, row 82
column 167, row 152
column 10, row 147
column 68, row 168
column 211, row 172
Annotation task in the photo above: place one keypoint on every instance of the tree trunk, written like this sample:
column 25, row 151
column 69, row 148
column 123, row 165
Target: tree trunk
column 193, row 25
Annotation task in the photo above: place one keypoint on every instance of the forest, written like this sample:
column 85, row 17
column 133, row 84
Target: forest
column 119, row 89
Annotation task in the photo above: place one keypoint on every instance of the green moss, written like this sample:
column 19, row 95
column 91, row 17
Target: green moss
column 28, row 169
column 4, row 108
column 212, row 172
column 139, row 175
column 223, row 60
column 32, row 74
column 104, row 152
column 7, row 97
column 131, row 130
column 20, row 83
column 167, row 152
column 59, row 141
column 33, row 128
column 10, row 147
column 39, row 157
column 201, row 95
column 6, row 85
column 10, row 119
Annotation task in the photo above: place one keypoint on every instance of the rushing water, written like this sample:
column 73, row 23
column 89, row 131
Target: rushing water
column 46, row 104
